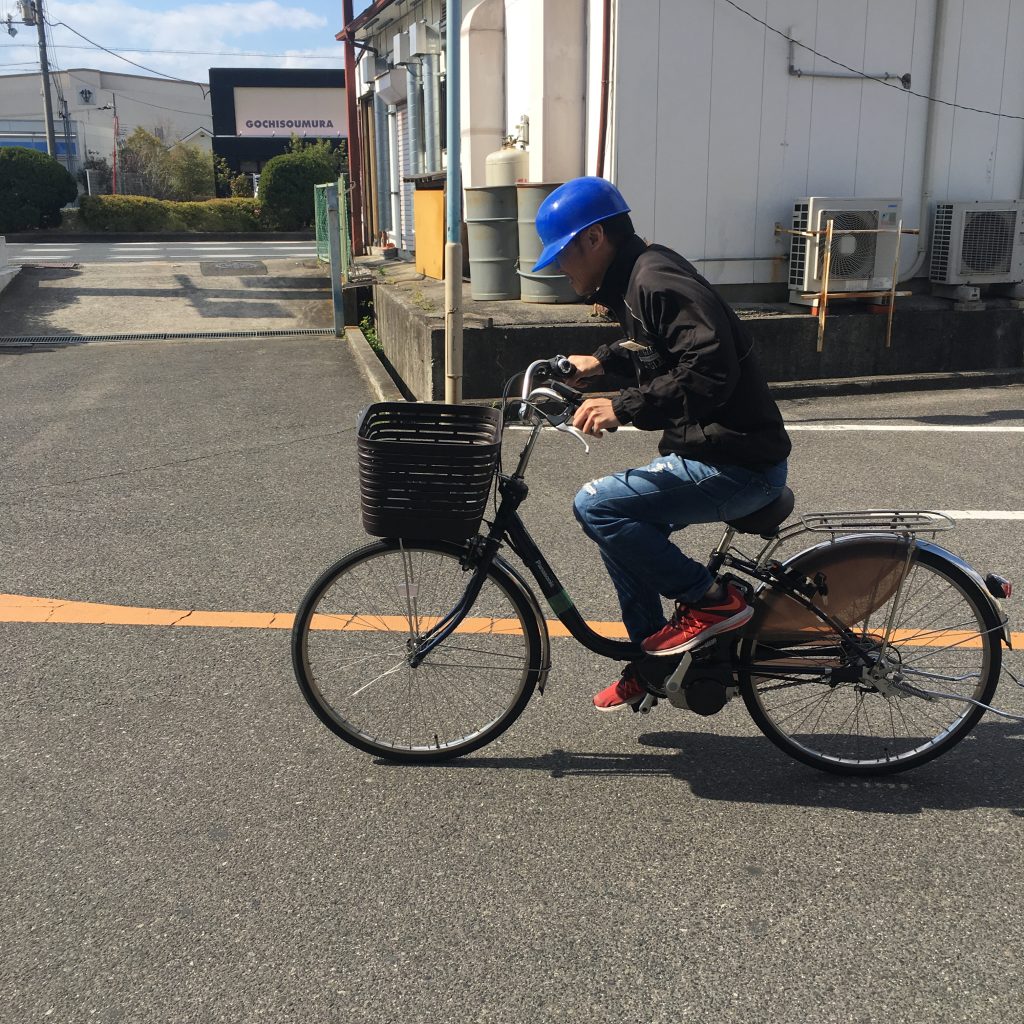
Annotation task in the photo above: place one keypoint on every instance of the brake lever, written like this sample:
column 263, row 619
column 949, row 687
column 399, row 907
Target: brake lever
column 559, row 422
column 567, row 428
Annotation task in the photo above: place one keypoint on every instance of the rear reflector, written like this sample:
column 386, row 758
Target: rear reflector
column 998, row 586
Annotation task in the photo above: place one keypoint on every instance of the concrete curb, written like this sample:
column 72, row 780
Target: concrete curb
column 71, row 238
column 902, row 382
column 384, row 389
column 8, row 274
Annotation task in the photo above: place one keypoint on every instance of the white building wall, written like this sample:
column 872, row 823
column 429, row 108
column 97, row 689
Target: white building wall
column 714, row 139
column 177, row 108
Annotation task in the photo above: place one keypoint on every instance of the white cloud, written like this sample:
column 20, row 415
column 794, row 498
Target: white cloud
column 225, row 32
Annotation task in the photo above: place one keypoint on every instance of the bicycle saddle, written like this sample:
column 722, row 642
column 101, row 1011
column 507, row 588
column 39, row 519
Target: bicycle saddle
column 766, row 521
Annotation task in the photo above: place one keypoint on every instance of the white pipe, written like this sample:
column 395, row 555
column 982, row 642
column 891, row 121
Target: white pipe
column 930, row 149
column 396, row 177
column 432, row 159
column 453, row 322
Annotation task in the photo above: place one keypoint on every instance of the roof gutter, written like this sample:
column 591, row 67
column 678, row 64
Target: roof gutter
column 356, row 23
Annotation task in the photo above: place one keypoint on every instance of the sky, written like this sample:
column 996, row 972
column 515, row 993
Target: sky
column 156, row 33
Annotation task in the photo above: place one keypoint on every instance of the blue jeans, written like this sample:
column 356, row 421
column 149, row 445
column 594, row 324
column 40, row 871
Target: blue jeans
column 631, row 515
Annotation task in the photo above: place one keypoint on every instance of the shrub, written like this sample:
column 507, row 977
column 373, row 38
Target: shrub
column 33, row 188
column 286, row 187
column 192, row 175
column 140, row 213
column 241, row 186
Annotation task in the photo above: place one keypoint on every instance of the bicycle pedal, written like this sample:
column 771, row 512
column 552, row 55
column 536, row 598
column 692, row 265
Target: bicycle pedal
column 644, row 707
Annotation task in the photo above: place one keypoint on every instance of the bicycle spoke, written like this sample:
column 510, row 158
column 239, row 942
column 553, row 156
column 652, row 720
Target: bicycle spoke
column 363, row 629
column 938, row 636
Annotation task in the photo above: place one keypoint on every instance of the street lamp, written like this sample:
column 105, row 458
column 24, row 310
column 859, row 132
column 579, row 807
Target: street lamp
column 117, row 132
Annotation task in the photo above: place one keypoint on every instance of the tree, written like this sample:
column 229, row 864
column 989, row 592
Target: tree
column 102, row 176
column 144, row 166
column 286, row 186
column 241, row 186
column 33, row 188
column 323, row 149
column 223, row 176
column 192, row 174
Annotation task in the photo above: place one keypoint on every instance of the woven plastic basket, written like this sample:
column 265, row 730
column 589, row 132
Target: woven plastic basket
column 425, row 469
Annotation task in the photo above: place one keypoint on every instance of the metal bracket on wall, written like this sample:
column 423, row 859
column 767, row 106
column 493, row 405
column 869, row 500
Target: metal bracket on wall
column 822, row 297
column 884, row 76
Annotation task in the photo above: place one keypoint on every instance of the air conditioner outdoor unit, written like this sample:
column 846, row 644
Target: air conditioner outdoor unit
column 978, row 243
column 859, row 262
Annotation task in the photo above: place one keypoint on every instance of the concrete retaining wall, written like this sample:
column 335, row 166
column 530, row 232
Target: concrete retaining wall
column 7, row 271
column 935, row 339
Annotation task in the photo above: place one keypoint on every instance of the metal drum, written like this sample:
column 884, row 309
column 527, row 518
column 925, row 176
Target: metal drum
column 546, row 285
column 493, row 241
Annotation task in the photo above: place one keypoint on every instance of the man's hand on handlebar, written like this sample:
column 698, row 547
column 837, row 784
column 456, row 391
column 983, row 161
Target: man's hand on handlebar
column 583, row 366
column 595, row 415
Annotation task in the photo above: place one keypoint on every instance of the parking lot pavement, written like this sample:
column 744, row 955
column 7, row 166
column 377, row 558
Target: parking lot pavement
column 70, row 250
column 184, row 842
column 203, row 295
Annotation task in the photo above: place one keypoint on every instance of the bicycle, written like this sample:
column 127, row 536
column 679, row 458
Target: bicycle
column 870, row 652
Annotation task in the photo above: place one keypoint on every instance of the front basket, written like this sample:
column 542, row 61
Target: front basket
column 425, row 469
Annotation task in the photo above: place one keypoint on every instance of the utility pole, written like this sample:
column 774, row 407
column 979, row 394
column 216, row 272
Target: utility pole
column 32, row 12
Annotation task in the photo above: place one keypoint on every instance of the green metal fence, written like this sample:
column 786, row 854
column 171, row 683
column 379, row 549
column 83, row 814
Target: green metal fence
column 323, row 246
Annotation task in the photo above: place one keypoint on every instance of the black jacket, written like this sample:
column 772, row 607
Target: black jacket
column 697, row 376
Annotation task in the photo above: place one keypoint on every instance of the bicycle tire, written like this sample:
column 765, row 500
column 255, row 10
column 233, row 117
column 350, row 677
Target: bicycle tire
column 412, row 584
column 842, row 728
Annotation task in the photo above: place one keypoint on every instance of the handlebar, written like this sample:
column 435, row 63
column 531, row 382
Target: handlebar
column 553, row 371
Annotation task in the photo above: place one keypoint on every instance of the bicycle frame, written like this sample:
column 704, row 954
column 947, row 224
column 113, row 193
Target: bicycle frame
column 508, row 527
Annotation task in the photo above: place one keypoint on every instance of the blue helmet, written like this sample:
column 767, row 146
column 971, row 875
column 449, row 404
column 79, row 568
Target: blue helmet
column 572, row 207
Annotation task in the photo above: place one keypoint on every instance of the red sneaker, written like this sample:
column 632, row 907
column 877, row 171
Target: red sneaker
column 693, row 624
column 621, row 696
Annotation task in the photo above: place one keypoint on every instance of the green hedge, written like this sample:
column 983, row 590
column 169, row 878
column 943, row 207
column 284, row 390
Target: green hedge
column 286, row 187
column 33, row 188
column 140, row 213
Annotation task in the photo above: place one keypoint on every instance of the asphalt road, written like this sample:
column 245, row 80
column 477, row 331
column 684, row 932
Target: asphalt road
column 184, row 842
column 146, row 252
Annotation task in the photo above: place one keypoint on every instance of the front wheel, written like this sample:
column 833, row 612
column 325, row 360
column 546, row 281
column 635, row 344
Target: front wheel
column 359, row 623
column 811, row 695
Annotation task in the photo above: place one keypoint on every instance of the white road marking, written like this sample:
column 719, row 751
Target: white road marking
column 928, row 428
column 973, row 514
column 933, row 428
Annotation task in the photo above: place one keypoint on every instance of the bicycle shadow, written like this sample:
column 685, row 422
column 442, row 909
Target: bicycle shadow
column 983, row 771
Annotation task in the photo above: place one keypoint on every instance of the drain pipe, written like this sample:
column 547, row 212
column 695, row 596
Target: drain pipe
column 431, row 162
column 930, row 147
column 602, row 123
column 414, row 113
column 380, row 133
column 453, row 245
column 396, row 176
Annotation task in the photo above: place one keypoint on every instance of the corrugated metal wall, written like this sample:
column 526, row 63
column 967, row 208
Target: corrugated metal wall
column 714, row 139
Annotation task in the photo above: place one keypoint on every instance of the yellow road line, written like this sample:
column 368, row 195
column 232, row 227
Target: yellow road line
column 18, row 608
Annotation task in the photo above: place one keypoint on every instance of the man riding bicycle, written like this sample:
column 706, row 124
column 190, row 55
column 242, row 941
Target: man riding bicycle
column 697, row 379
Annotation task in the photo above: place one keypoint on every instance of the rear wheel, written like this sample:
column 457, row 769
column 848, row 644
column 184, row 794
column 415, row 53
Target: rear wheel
column 809, row 693
column 360, row 622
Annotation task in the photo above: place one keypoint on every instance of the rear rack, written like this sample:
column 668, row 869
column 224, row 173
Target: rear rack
column 899, row 521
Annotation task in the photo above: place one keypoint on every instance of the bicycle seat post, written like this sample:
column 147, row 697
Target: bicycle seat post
column 718, row 556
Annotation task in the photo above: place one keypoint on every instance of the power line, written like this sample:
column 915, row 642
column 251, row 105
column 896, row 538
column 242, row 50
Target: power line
column 188, row 53
column 152, row 71
column 863, row 74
